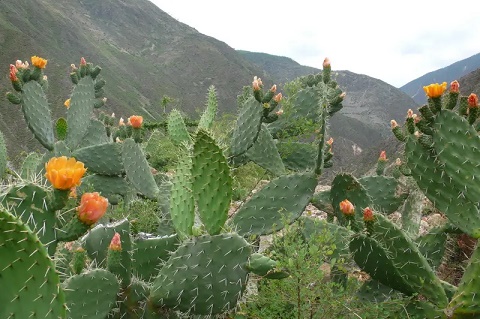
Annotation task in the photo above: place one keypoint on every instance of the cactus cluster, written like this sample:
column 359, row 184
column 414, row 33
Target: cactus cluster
column 58, row 262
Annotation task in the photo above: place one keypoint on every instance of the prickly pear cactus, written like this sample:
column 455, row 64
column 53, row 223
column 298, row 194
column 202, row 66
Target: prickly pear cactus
column 29, row 281
column 204, row 276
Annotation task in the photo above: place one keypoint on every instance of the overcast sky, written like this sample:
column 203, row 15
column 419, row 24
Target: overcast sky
column 395, row 41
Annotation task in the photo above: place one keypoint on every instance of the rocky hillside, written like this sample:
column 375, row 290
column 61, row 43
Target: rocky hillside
column 145, row 54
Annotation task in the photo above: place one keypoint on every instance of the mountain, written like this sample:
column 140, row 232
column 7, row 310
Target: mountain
column 145, row 54
column 470, row 83
column 447, row 74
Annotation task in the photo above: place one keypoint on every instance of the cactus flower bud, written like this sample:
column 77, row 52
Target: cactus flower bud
column 13, row 73
column 67, row 103
column 274, row 88
column 21, row 65
column 368, row 215
column 257, row 84
column 383, row 156
column 121, row 122
column 393, row 124
column 347, row 208
column 472, row 101
column 277, row 98
column 39, row 62
column 135, row 121
column 64, row 173
column 454, row 87
column 326, row 63
column 83, row 61
column 116, row 243
column 92, row 208
column 435, row 90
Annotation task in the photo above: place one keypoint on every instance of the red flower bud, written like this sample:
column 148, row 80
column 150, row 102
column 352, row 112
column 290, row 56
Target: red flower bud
column 116, row 243
column 368, row 214
column 472, row 101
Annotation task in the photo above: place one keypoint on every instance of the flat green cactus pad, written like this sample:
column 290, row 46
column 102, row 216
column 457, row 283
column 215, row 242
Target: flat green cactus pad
column 30, row 286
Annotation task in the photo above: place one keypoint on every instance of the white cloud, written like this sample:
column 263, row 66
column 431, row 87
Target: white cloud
column 395, row 41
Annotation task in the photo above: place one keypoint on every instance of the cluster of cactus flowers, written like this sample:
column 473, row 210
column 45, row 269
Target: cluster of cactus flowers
column 201, row 268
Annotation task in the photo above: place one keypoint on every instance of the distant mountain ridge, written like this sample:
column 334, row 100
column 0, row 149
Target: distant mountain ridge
column 447, row 74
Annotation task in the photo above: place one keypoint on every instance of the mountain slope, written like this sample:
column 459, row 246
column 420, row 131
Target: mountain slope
column 145, row 54
column 447, row 74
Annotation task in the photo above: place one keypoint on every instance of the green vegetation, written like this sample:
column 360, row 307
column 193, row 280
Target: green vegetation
column 173, row 245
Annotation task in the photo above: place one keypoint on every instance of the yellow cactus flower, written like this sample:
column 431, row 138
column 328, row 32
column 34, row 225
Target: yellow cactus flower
column 67, row 103
column 64, row 173
column 39, row 62
column 435, row 90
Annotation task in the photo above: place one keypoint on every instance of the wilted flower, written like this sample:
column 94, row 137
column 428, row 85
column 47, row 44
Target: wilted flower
column 116, row 243
column 39, row 62
column 347, row 208
column 64, row 173
column 121, row 122
column 409, row 113
column 135, row 121
column 454, row 87
column 279, row 112
column 92, row 208
column 21, row 65
column 393, row 124
column 472, row 100
column 330, row 141
column 67, row 103
column 274, row 88
column 435, row 90
column 398, row 162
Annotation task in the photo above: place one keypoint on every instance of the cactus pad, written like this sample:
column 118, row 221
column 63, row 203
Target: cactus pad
column 281, row 201
column 264, row 152
column 105, row 159
column 247, row 128
column 206, row 276
column 91, row 294
column 137, row 169
column 30, row 284
column 177, row 130
column 182, row 204
column 212, row 183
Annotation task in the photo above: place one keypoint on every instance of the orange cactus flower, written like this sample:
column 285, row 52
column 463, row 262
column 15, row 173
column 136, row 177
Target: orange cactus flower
column 39, row 62
column 64, row 173
column 135, row 121
column 92, row 208
column 454, row 87
column 472, row 100
column 435, row 90
column 368, row 214
column 347, row 208
column 116, row 243
column 67, row 103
